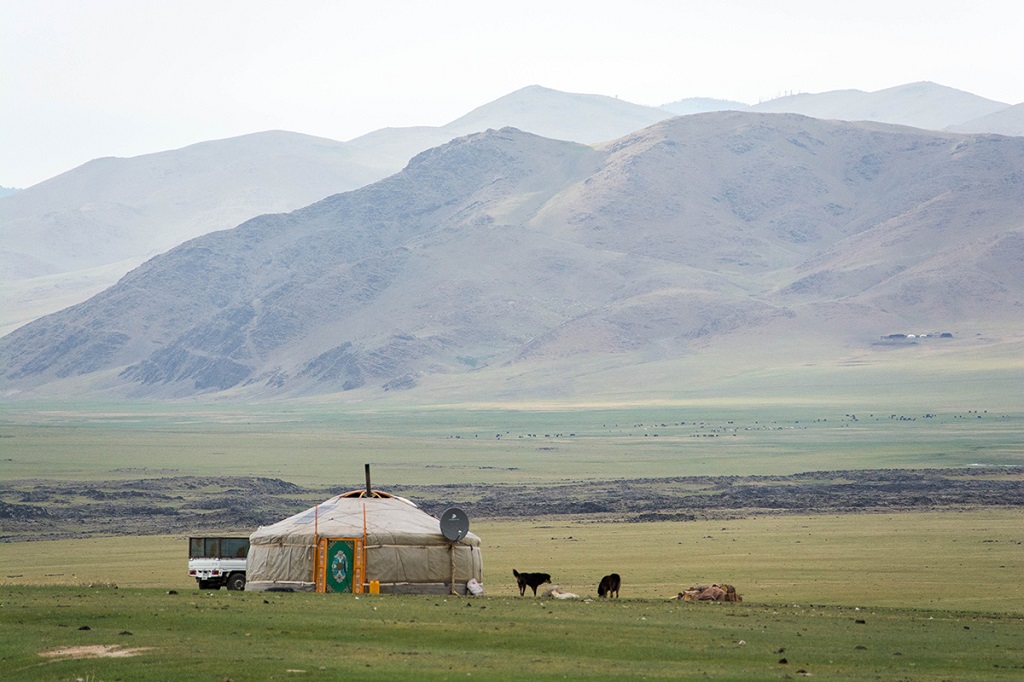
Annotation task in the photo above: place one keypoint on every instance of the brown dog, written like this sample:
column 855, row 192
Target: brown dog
column 533, row 580
column 609, row 586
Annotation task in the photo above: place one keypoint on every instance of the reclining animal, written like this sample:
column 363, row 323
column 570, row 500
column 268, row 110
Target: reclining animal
column 556, row 593
column 721, row 592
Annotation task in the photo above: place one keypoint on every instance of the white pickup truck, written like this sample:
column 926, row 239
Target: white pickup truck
column 217, row 562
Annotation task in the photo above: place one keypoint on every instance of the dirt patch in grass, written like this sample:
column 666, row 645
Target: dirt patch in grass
column 94, row 651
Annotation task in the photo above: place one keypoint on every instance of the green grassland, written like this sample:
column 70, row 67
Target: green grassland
column 309, row 444
column 938, row 591
column 919, row 596
column 756, row 367
column 251, row 636
column 921, row 559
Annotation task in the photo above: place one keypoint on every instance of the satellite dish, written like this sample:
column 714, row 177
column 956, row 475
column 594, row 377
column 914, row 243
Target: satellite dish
column 454, row 524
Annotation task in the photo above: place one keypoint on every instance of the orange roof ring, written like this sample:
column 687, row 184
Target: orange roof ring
column 363, row 492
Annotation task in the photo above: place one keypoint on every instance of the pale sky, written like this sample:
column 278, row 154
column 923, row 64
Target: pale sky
column 86, row 79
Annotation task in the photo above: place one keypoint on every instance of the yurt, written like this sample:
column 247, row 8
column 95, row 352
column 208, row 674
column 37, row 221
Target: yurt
column 362, row 541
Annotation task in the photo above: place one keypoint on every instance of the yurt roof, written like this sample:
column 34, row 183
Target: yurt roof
column 388, row 520
column 364, row 493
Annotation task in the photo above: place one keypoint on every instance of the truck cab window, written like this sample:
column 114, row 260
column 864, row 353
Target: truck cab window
column 234, row 547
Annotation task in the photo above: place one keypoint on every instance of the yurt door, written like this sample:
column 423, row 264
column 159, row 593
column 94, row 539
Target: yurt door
column 339, row 565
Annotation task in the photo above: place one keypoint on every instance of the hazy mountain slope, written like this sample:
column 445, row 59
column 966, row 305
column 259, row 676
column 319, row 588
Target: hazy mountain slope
column 503, row 253
column 66, row 239
column 224, row 305
column 560, row 115
column 701, row 105
column 94, row 223
column 1008, row 121
column 921, row 105
column 951, row 257
column 110, row 209
column 848, row 220
column 387, row 150
column 69, row 237
column 534, row 109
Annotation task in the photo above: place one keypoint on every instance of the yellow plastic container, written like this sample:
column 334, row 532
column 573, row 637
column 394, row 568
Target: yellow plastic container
column 374, row 587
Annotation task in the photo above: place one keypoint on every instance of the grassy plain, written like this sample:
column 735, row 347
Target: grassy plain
column 312, row 444
column 254, row 636
column 920, row 596
column 927, row 559
column 938, row 591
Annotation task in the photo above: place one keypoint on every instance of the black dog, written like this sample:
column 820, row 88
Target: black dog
column 609, row 584
column 533, row 580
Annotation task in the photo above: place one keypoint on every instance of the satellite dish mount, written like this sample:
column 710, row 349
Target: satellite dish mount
column 454, row 526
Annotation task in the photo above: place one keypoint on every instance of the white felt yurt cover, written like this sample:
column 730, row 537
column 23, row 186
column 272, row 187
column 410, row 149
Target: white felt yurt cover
column 405, row 549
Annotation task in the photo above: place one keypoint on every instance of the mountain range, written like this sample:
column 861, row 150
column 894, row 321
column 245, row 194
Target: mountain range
column 72, row 236
column 527, row 263
column 921, row 105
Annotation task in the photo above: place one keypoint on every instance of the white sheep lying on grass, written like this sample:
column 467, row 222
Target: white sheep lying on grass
column 554, row 592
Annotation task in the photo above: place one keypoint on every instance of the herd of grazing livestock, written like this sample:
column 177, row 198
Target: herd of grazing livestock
column 610, row 584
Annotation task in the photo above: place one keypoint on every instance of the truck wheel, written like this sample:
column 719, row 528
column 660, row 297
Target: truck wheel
column 236, row 581
column 205, row 585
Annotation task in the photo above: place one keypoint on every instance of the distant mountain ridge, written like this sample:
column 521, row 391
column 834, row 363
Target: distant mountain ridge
column 1008, row 121
column 70, row 237
column 922, row 105
column 561, row 116
column 702, row 105
column 503, row 251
